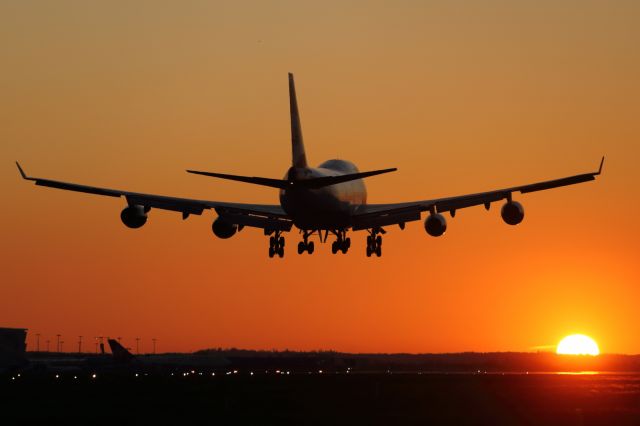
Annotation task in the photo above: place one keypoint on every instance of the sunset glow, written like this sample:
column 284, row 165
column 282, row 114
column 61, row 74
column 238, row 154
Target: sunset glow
column 578, row 344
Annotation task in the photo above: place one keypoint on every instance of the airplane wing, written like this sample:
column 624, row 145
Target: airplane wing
column 377, row 215
column 265, row 216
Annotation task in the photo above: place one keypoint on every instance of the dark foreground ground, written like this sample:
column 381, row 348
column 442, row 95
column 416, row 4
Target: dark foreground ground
column 329, row 398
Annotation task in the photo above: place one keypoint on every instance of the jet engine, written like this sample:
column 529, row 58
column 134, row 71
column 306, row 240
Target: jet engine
column 223, row 229
column 512, row 212
column 134, row 216
column 435, row 225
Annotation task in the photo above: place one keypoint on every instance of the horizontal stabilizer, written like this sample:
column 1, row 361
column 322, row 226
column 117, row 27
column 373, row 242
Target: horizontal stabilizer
column 320, row 182
column 274, row 183
column 312, row 183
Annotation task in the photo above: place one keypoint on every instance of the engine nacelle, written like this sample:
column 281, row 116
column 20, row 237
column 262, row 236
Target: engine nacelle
column 134, row 216
column 512, row 212
column 435, row 225
column 223, row 229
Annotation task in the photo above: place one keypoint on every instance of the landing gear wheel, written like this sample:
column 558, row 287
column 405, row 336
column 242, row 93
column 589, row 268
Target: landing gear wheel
column 310, row 247
column 379, row 241
column 378, row 251
column 334, row 247
column 368, row 251
column 301, row 247
column 276, row 245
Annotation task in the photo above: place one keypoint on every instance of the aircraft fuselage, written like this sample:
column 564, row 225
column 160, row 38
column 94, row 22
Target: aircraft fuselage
column 329, row 207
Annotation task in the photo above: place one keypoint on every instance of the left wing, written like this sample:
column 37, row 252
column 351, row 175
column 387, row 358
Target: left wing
column 266, row 216
column 376, row 215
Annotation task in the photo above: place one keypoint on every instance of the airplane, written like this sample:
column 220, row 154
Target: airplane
column 330, row 199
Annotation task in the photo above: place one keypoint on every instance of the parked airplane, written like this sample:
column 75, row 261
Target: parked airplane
column 330, row 199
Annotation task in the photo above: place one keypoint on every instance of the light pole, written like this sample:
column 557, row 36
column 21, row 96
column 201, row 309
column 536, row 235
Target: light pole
column 154, row 340
column 79, row 344
column 137, row 346
column 58, row 342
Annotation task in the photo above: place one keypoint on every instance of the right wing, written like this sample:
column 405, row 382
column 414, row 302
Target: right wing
column 377, row 215
column 265, row 216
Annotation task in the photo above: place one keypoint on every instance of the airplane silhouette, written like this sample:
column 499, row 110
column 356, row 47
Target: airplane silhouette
column 329, row 199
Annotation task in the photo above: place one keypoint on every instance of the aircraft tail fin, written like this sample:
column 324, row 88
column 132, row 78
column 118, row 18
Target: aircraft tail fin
column 120, row 353
column 298, row 158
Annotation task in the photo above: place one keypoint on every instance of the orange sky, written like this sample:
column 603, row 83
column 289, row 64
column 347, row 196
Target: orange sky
column 460, row 96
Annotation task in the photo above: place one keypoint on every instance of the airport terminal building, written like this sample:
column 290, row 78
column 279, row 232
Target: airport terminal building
column 13, row 346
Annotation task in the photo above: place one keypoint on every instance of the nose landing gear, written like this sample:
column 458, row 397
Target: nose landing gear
column 342, row 243
column 306, row 245
column 374, row 242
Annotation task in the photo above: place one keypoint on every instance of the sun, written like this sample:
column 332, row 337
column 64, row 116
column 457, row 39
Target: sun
column 578, row 344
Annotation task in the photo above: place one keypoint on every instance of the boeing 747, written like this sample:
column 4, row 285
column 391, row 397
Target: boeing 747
column 328, row 200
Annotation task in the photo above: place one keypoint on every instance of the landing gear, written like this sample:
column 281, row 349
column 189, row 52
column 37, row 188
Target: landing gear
column 374, row 242
column 342, row 243
column 306, row 245
column 276, row 245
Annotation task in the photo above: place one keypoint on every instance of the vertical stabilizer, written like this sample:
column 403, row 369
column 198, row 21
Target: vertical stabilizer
column 120, row 353
column 299, row 158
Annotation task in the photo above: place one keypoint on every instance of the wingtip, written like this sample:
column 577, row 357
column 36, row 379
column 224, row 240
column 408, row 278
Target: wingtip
column 601, row 164
column 22, row 173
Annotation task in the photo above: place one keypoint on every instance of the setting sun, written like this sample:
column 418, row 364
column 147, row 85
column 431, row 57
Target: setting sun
column 578, row 344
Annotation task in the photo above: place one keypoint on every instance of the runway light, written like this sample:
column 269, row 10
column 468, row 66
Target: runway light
column 235, row 371
column 213, row 374
column 251, row 373
column 57, row 376
column 93, row 376
column 136, row 374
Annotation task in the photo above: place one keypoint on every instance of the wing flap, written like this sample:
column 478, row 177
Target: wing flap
column 264, row 222
column 376, row 221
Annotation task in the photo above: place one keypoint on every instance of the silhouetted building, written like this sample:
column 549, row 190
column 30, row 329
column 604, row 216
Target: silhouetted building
column 13, row 347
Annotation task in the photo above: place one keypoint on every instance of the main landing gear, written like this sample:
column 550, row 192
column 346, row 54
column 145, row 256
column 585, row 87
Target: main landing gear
column 276, row 245
column 305, row 244
column 374, row 242
column 342, row 243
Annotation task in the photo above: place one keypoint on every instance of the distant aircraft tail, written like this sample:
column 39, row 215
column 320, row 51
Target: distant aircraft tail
column 120, row 353
column 298, row 158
